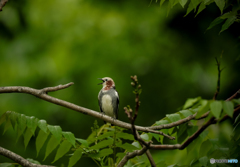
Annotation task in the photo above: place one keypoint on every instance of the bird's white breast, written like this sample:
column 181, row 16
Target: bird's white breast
column 107, row 105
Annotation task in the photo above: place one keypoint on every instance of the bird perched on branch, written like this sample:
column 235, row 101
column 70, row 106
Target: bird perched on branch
column 108, row 98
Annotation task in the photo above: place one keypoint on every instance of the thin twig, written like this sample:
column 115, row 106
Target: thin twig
column 218, row 81
column 132, row 119
column 235, row 114
column 132, row 155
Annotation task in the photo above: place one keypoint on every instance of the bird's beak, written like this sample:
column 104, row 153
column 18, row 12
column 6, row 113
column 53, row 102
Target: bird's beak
column 101, row 80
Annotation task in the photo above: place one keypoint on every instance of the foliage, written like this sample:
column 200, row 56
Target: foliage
column 231, row 8
column 102, row 142
column 98, row 146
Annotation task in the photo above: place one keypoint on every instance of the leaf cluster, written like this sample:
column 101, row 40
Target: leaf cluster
column 230, row 7
column 202, row 149
column 98, row 146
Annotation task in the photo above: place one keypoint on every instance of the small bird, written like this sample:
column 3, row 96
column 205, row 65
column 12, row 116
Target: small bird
column 108, row 98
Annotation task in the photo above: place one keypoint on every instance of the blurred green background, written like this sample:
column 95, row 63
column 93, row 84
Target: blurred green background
column 49, row 43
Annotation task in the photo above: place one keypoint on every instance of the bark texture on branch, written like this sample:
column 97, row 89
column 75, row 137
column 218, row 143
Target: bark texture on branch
column 2, row 4
column 17, row 158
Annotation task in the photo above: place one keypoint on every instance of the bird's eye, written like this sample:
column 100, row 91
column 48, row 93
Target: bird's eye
column 105, row 79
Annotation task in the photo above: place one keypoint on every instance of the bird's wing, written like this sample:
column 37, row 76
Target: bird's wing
column 99, row 100
column 117, row 105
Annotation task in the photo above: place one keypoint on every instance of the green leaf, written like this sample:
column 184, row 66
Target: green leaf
column 6, row 165
column 42, row 124
column 145, row 137
column 120, row 155
column 205, row 148
column 75, row 157
column 62, row 150
column 105, row 135
column 207, row 2
column 170, row 131
column 183, row 2
column 161, row 2
column 201, row 8
column 182, row 129
column 70, row 137
column 56, row 131
column 196, row 3
column 102, row 153
column 7, row 125
column 161, row 138
column 137, row 144
column 220, row 4
column 127, row 146
column 40, row 140
column 216, row 108
column 162, row 122
column 21, row 125
column 228, row 14
column 84, row 142
column 3, row 118
column 191, row 130
column 204, row 160
column 215, row 22
column 27, row 136
column 110, row 161
column 22, row 122
column 156, row 136
column 236, row 101
column 173, row 117
column 191, row 101
column 228, row 22
column 52, row 144
column 238, row 118
column 203, row 135
column 125, row 136
column 228, row 108
column 13, row 118
column 102, row 144
column 203, row 108
column 33, row 161
column 189, row 9
column 32, row 123
column 185, row 113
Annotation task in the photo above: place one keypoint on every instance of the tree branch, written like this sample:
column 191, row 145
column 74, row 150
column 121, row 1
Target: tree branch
column 218, row 81
column 132, row 118
column 132, row 155
column 2, row 4
column 190, row 117
column 17, row 158
column 42, row 94
column 187, row 142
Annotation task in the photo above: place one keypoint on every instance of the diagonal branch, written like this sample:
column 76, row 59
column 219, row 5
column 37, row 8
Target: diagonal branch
column 42, row 94
column 187, row 142
column 2, row 4
column 132, row 155
column 17, row 158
